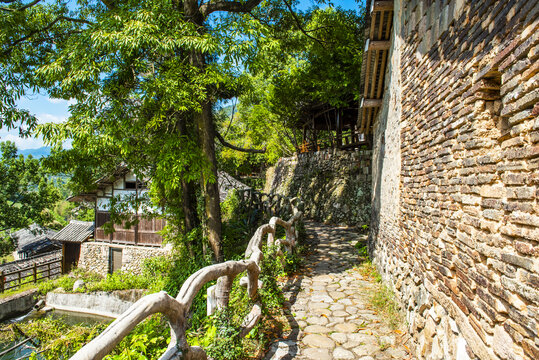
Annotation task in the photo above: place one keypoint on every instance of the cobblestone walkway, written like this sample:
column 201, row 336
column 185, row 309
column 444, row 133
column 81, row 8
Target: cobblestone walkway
column 328, row 311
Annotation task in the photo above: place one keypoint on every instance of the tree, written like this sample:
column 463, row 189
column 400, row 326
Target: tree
column 26, row 195
column 145, row 76
column 301, row 60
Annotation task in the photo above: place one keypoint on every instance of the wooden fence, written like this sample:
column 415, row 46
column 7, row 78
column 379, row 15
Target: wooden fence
column 347, row 141
column 31, row 274
column 177, row 309
column 269, row 204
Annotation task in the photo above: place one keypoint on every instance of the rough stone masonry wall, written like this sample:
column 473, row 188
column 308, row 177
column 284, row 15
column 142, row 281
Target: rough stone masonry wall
column 94, row 256
column 463, row 251
column 334, row 185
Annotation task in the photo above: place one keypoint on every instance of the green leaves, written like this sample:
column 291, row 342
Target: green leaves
column 26, row 190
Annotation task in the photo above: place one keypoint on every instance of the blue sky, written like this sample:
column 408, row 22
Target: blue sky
column 55, row 110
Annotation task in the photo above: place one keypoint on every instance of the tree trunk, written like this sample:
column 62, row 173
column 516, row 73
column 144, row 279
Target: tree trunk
column 211, row 189
column 206, row 136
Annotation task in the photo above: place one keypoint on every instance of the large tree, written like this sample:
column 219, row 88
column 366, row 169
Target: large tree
column 145, row 76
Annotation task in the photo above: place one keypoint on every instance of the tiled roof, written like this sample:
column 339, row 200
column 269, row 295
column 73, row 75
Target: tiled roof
column 75, row 231
column 34, row 234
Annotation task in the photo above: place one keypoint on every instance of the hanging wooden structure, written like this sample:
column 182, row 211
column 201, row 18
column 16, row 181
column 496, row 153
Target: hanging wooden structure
column 375, row 58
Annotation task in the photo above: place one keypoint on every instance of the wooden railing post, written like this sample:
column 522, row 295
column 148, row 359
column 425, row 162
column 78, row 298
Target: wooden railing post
column 2, row 280
column 35, row 273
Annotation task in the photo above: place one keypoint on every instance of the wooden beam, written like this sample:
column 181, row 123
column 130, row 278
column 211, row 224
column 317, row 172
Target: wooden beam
column 368, row 103
column 382, row 6
column 380, row 84
column 379, row 45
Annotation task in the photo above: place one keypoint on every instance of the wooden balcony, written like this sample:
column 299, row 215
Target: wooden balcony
column 144, row 233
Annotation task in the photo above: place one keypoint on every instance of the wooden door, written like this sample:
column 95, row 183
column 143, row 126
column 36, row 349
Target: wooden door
column 115, row 259
column 71, row 256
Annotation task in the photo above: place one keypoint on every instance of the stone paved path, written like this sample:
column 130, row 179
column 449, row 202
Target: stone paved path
column 328, row 311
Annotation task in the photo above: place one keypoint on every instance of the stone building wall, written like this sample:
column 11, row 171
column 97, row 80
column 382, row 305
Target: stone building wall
column 95, row 256
column 334, row 185
column 455, row 212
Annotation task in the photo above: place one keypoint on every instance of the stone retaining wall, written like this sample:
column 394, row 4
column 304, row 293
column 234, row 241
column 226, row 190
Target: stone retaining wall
column 455, row 226
column 95, row 256
column 109, row 304
column 334, row 185
column 17, row 304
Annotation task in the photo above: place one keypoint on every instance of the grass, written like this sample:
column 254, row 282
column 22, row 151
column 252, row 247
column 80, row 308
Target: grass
column 18, row 290
column 382, row 299
column 7, row 258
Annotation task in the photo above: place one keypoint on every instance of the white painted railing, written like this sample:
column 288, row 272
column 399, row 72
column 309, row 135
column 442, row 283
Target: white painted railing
column 177, row 309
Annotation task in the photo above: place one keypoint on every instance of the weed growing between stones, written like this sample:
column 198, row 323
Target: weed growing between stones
column 382, row 299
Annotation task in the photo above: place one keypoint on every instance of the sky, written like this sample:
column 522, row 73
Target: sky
column 56, row 110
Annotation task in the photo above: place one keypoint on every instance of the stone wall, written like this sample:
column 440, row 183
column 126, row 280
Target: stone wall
column 455, row 177
column 334, row 185
column 95, row 256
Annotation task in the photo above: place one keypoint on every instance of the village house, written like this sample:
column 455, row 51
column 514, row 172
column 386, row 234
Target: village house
column 129, row 244
column 32, row 241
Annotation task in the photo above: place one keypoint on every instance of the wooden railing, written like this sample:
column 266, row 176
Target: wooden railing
column 177, row 309
column 269, row 204
column 348, row 141
column 32, row 274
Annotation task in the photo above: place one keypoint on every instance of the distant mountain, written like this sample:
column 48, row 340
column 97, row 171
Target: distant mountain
column 36, row 153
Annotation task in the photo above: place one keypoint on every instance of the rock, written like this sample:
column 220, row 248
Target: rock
column 502, row 343
column 317, row 320
column 336, row 295
column 365, row 350
column 346, row 328
column 316, row 329
column 317, row 354
column 323, row 312
column 317, row 305
column 387, row 340
column 79, row 284
column 342, row 354
column 339, row 338
column 318, row 341
column 336, row 307
column 282, row 350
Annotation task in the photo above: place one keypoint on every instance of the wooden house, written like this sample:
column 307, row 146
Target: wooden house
column 132, row 241
column 33, row 241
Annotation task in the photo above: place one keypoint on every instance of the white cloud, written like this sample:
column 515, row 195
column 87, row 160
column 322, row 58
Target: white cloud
column 50, row 118
column 23, row 143
column 61, row 101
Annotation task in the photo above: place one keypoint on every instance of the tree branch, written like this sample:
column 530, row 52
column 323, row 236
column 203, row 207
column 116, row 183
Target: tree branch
column 23, row 7
column 298, row 23
column 231, row 6
column 50, row 25
column 229, row 145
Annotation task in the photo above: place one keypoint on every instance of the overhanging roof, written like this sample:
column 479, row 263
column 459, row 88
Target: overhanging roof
column 76, row 231
column 378, row 35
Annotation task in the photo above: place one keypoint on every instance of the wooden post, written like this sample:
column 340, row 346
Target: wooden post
column 19, row 273
column 35, row 272
column 2, row 281
column 339, row 129
column 48, row 270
